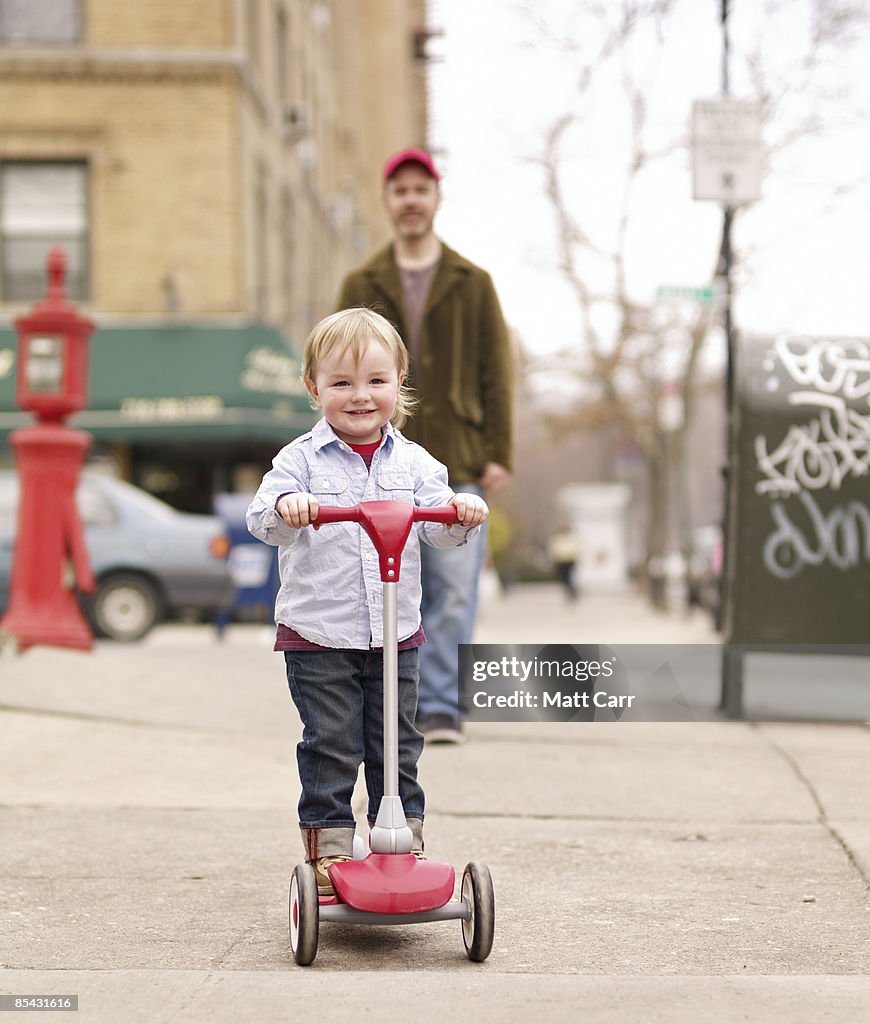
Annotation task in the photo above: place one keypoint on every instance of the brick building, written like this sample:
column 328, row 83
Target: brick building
column 212, row 168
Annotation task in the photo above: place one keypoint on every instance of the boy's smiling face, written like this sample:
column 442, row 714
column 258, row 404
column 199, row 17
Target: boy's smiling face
column 357, row 398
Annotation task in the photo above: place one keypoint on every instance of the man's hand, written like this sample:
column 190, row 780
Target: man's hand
column 298, row 509
column 493, row 477
column 471, row 509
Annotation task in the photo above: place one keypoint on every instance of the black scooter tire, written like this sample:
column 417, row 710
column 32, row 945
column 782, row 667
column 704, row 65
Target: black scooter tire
column 304, row 914
column 478, row 931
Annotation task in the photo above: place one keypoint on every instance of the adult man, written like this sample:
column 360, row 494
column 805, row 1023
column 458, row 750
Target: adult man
column 448, row 314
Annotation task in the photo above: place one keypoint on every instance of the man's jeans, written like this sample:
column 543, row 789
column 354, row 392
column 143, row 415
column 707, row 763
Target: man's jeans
column 339, row 696
column 449, row 607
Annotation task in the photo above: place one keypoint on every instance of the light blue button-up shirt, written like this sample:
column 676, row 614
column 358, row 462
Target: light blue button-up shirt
column 331, row 591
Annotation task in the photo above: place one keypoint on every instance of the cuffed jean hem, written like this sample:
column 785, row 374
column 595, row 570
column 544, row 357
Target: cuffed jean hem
column 331, row 841
column 337, row 840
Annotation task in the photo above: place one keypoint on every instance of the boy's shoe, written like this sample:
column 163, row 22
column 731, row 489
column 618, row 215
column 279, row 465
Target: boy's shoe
column 321, row 873
column 441, row 729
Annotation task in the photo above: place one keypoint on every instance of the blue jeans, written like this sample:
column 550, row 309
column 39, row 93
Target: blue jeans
column 449, row 607
column 339, row 696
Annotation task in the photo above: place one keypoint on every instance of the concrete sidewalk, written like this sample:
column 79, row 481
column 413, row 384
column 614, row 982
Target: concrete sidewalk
column 540, row 613
column 673, row 872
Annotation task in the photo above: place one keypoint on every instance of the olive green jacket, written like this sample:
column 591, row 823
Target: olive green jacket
column 464, row 379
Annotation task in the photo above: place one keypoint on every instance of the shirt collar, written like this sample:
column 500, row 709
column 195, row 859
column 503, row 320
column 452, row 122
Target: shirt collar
column 322, row 434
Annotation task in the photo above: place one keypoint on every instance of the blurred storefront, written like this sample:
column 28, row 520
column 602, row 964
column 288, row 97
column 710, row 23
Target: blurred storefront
column 185, row 412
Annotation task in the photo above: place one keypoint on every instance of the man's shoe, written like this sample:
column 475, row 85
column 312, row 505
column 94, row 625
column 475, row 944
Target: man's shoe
column 442, row 729
column 321, row 873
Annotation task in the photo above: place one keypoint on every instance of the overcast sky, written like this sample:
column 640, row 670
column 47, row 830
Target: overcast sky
column 494, row 93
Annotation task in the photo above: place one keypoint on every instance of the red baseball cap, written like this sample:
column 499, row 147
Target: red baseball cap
column 410, row 156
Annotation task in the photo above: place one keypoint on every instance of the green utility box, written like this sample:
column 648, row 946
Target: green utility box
column 797, row 552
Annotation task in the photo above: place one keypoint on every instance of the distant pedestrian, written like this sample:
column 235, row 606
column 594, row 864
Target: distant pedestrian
column 355, row 367
column 563, row 549
column 461, row 366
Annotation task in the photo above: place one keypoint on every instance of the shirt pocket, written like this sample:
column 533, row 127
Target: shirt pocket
column 330, row 486
column 395, row 485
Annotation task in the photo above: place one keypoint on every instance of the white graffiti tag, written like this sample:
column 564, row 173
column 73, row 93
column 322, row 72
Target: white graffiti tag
column 833, row 381
column 821, row 453
column 842, row 537
column 830, row 367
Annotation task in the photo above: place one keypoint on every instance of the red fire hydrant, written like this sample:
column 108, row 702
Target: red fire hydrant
column 52, row 383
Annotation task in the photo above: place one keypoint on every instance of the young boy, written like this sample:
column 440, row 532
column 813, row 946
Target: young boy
column 329, row 605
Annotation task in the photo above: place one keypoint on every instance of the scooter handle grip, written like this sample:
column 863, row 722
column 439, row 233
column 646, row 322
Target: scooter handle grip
column 445, row 514
column 336, row 514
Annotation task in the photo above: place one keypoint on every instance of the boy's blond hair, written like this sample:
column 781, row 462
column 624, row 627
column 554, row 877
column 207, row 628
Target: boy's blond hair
column 350, row 330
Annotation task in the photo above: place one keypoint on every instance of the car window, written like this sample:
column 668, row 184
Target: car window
column 132, row 496
column 99, row 501
column 95, row 508
column 8, row 502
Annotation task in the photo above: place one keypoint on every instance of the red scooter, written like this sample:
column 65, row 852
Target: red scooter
column 390, row 885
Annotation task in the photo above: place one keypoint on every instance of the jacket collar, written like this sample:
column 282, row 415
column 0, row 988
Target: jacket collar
column 384, row 273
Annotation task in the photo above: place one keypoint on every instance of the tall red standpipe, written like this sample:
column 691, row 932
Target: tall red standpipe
column 50, row 560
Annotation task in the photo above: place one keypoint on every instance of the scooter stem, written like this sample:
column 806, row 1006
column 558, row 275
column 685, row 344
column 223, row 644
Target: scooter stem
column 390, row 832
column 388, row 523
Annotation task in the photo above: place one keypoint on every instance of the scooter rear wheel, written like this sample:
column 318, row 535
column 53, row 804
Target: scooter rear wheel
column 478, row 931
column 304, row 914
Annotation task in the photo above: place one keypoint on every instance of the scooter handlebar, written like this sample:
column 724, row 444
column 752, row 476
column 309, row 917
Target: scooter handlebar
column 388, row 523
column 336, row 514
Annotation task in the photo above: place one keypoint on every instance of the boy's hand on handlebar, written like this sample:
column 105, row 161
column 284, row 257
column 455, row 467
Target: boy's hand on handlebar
column 298, row 509
column 471, row 509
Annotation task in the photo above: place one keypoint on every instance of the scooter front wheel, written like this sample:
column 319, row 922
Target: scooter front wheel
column 304, row 914
column 479, row 929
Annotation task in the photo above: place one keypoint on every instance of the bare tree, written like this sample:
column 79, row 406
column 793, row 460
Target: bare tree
column 640, row 360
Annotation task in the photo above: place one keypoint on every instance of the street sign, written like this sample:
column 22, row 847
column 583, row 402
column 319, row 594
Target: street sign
column 705, row 295
column 726, row 150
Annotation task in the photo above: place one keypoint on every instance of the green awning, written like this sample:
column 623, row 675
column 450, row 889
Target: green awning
column 185, row 382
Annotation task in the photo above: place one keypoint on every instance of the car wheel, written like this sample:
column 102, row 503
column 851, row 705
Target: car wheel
column 125, row 607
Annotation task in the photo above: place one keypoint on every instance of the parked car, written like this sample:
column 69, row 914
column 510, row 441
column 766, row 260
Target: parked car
column 151, row 562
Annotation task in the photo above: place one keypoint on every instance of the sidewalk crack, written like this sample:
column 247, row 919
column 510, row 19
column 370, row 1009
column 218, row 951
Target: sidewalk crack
column 824, row 821
column 188, row 999
column 131, row 723
column 219, row 960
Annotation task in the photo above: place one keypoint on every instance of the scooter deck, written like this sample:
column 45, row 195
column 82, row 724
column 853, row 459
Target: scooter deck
column 393, row 883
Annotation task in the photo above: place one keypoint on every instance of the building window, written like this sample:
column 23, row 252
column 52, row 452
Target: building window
column 261, row 245
column 288, row 267
column 281, row 55
column 40, row 21
column 42, row 204
column 252, row 14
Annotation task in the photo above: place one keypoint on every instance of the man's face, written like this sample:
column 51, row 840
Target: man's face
column 411, row 198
